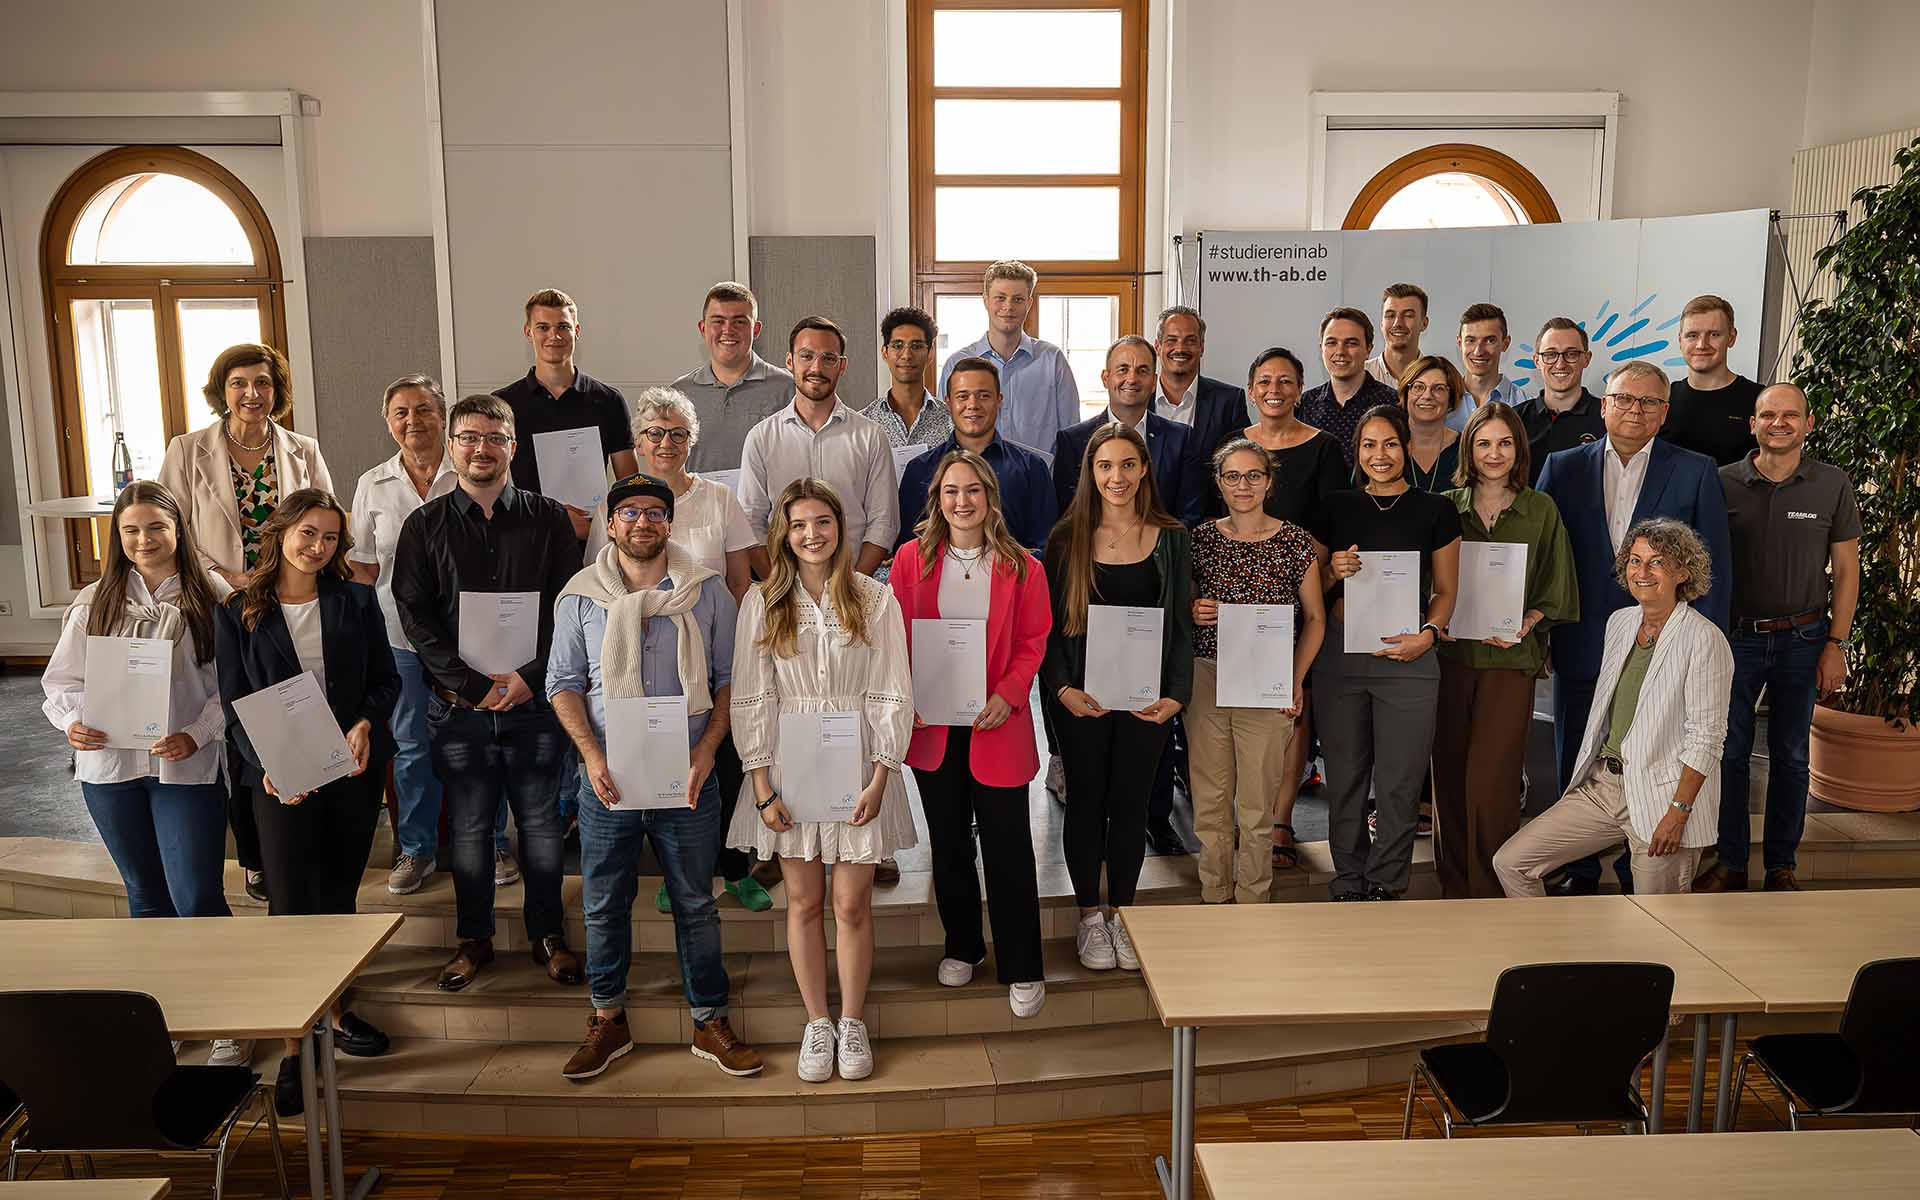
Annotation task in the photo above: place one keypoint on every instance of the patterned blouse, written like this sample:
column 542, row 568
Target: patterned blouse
column 257, row 492
column 1235, row 572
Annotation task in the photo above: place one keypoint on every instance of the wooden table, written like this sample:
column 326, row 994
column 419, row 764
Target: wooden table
column 1431, row 960
column 1797, row 951
column 220, row 977
column 1857, row 1163
column 86, row 1189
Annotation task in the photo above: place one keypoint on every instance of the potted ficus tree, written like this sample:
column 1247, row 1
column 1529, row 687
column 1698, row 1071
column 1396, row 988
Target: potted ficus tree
column 1859, row 361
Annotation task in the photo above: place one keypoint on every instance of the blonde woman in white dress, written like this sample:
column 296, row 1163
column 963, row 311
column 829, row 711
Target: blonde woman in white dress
column 816, row 637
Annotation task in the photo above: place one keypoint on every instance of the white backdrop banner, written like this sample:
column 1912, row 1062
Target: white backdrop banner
column 1623, row 281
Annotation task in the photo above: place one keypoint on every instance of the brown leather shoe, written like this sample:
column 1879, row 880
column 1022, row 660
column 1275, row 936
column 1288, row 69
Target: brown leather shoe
column 1780, row 879
column 767, row 871
column 607, row 1039
column 1718, row 879
column 714, row 1041
column 562, row 964
column 474, row 953
column 887, row 872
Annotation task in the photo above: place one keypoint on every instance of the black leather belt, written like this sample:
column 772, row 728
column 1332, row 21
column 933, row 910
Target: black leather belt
column 1612, row 765
column 1780, row 624
column 452, row 697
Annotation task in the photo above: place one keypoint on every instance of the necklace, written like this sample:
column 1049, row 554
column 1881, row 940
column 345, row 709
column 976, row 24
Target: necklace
column 1388, row 507
column 967, row 561
column 1113, row 543
column 264, row 442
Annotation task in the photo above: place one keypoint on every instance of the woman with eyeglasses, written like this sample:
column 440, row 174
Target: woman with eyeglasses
column 1430, row 392
column 1238, row 755
column 1375, row 706
column 710, row 524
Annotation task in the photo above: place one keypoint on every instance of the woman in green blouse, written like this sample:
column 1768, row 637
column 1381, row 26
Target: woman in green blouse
column 1486, row 686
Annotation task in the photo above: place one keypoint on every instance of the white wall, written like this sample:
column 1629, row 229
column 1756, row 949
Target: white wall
column 1860, row 80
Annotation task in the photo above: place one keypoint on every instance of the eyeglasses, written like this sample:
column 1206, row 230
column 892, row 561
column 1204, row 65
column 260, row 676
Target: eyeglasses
column 1643, row 403
column 916, row 346
column 468, row 441
column 1236, row 478
column 660, row 433
column 808, row 358
column 652, row 516
column 1554, row 357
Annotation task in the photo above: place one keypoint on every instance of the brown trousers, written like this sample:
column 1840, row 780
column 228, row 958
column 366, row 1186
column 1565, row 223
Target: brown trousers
column 1479, row 749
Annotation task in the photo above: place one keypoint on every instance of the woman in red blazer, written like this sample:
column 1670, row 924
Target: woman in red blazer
column 967, row 566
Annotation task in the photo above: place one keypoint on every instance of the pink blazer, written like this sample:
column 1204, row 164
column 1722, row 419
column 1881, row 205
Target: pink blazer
column 1019, row 616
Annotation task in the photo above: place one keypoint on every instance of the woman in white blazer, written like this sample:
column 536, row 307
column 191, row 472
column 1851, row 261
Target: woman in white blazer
column 1649, row 765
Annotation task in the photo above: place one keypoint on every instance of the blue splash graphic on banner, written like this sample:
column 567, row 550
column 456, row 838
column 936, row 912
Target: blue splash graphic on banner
column 1603, row 337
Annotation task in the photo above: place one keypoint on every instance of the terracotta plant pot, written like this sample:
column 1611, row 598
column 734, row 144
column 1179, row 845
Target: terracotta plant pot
column 1863, row 763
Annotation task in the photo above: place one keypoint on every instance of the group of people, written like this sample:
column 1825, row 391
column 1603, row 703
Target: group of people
column 776, row 586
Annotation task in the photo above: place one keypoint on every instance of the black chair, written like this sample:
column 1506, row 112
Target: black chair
column 114, row 1088
column 1565, row 1042
column 1871, row 1068
column 11, row 1111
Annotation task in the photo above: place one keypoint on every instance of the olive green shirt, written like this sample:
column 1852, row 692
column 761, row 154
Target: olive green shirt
column 1626, row 698
column 1532, row 520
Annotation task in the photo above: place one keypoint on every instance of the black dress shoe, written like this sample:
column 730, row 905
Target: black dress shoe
column 257, row 885
column 1342, row 897
column 287, row 1098
column 1381, row 893
column 357, row 1038
column 1573, row 885
column 1164, row 840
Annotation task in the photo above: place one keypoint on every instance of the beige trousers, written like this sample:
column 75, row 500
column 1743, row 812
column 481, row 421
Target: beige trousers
column 1236, row 758
column 1591, row 817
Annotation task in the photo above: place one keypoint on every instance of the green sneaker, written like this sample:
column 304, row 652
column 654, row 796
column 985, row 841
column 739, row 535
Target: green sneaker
column 660, row 900
column 750, row 894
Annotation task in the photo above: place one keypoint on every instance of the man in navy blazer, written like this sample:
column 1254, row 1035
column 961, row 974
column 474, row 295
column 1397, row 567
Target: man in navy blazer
column 1178, row 472
column 1603, row 489
column 1214, row 410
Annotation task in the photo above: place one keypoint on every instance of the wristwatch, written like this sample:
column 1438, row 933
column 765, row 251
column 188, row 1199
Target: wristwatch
column 1430, row 625
column 1843, row 643
column 1687, row 809
column 764, row 805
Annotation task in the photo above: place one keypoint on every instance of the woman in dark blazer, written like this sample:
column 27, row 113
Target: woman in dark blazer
column 299, row 612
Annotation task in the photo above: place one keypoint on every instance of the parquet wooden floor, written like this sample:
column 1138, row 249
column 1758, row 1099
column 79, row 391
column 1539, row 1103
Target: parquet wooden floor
column 1111, row 1158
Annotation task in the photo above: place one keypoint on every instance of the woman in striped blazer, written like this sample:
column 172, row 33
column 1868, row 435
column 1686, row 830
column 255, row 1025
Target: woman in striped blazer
column 1649, row 765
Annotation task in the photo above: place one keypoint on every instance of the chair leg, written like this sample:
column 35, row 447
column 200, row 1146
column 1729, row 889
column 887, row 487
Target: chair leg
column 220, row 1171
column 1739, row 1084
column 1406, row 1121
column 279, row 1151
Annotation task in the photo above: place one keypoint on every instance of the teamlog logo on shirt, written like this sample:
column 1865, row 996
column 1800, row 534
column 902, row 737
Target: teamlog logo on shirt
column 1802, row 516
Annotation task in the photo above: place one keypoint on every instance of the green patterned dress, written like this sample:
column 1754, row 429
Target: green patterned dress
column 257, row 492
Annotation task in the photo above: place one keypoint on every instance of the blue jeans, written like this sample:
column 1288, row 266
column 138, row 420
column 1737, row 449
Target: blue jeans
column 1786, row 664
column 414, row 782
column 686, row 841
column 169, row 841
column 485, row 758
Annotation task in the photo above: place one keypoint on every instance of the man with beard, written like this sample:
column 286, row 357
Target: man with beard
column 643, row 619
column 493, row 734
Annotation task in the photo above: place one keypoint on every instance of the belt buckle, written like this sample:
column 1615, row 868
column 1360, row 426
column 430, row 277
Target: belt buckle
column 1613, row 765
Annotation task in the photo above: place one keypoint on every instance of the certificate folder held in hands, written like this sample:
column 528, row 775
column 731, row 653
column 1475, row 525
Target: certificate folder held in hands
column 1383, row 599
column 1256, row 656
column 572, row 468
column 129, row 688
column 1123, row 656
column 294, row 735
column 1493, row 591
column 499, row 631
column 647, row 751
column 949, row 670
column 820, row 767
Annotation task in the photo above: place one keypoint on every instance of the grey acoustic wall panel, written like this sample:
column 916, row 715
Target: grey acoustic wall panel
column 374, row 315
column 795, row 277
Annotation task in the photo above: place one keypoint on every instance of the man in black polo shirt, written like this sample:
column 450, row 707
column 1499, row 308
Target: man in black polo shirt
column 494, row 734
column 1792, row 518
column 1710, row 410
column 1565, row 414
column 555, row 396
column 1346, row 339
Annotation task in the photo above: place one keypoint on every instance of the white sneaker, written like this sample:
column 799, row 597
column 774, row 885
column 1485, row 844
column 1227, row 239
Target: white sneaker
column 1123, row 947
column 1057, row 777
column 1092, row 942
column 229, row 1052
column 954, row 973
column 505, row 870
column 1027, row 998
column 856, row 1052
column 816, row 1052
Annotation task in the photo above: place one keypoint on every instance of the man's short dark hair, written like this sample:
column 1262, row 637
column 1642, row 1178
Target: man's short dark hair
column 1484, row 312
column 907, row 315
column 825, row 324
column 483, row 405
column 1406, row 291
column 1563, row 324
column 1343, row 313
column 975, row 362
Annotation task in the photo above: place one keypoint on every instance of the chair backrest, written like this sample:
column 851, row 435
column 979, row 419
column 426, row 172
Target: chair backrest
column 1882, row 1027
column 1573, row 1035
column 88, row 1065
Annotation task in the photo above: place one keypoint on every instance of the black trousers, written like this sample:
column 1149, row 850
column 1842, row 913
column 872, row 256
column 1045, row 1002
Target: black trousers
column 1112, row 762
column 246, row 831
column 315, row 852
column 733, row 864
column 955, row 801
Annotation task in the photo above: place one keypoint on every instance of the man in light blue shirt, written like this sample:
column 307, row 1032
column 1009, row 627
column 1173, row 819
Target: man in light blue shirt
column 1483, row 340
column 669, row 622
column 1039, row 397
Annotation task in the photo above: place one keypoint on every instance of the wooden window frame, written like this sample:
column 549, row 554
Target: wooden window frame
column 161, row 284
column 1463, row 157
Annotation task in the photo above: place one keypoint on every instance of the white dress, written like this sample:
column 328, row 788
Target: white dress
column 828, row 672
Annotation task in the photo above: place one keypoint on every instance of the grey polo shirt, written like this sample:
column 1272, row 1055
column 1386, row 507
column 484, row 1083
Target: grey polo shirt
column 1781, row 534
column 726, row 413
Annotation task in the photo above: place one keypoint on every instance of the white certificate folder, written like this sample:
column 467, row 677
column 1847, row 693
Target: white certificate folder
column 295, row 735
column 819, row 760
column 1123, row 655
column 647, row 750
column 499, row 631
column 572, row 468
column 1256, row 656
column 129, row 686
column 1383, row 599
column 1493, row 591
column 949, row 670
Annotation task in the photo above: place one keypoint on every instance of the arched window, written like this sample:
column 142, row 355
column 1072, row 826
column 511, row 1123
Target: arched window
column 1451, row 186
column 155, row 259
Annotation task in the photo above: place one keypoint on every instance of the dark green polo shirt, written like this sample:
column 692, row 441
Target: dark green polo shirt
column 1781, row 534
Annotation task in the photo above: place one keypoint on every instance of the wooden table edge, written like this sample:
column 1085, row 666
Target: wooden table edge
column 195, row 1034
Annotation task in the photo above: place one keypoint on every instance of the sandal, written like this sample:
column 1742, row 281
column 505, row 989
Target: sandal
column 1288, row 856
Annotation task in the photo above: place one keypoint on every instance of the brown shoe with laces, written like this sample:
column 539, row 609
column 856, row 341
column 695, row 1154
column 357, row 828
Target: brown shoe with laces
column 714, row 1041
column 1780, row 879
column 1718, row 878
column 607, row 1039
column 474, row 953
column 562, row 964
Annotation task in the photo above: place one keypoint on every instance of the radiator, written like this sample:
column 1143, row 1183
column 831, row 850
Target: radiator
column 1824, row 180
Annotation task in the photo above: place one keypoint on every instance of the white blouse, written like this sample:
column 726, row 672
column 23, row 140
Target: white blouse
column 708, row 522
column 303, row 622
column 828, row 672
column 961, row 598
column 194, row 704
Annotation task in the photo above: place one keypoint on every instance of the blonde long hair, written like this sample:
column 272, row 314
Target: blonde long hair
column 780, row 591
column 1074, row 534
column 935, row 533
